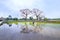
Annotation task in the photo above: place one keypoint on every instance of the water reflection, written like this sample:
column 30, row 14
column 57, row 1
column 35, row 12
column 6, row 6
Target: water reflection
column 1, row 23
column 10, row 25
column 29, row 32
column 28, row 28
column 25, row 28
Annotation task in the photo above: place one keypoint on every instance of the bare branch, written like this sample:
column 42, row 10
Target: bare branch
column 37, row 12
column 26, row 12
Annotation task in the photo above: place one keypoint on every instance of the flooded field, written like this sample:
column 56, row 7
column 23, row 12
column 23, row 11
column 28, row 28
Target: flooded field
column 41, row 32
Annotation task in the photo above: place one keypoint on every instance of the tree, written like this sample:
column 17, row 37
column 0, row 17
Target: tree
column 25, row 12
column 31, row 18
column 9, row 17
column 37, row 13
column 45, row 19
column 15, row 18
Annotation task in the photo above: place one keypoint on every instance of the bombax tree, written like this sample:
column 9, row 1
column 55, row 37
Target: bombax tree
column 37, row 13
column 25, row 12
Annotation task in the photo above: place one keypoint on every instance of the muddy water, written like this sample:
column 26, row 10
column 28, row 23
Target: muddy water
column 48, row 32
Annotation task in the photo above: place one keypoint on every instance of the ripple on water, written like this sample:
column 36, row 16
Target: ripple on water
column 14, row 32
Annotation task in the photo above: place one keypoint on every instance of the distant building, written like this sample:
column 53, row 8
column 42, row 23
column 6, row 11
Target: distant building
column 2, row 19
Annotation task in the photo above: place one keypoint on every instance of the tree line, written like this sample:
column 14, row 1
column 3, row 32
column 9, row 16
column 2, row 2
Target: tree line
column 26, row 12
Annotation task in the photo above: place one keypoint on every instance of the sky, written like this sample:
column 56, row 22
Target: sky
column 50, row 8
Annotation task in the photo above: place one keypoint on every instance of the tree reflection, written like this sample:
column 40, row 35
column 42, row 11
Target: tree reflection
column 35, row 28
column 25, row 28
column 10, row 25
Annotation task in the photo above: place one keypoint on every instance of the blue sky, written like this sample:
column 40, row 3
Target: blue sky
column 50, row 8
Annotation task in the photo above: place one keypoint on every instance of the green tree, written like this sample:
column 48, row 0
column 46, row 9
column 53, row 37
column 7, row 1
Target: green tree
column 45, row 19
column 9, row 17
column 31, row 18
column 15, row 18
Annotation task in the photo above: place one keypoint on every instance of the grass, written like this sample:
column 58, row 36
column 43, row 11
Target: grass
column 24, row 22
column 11, row 22
column 30, row 22
column 53, row 22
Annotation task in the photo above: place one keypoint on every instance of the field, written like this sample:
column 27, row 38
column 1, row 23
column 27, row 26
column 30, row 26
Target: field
column 31, row 22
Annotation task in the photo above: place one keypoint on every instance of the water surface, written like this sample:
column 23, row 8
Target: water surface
column 46, row 32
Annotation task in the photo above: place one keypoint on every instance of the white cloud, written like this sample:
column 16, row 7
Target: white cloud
column 18, row 4
column 15, row 5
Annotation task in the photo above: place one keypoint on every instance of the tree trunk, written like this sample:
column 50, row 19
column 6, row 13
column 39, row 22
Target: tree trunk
column 37, row 17
column 26, row 17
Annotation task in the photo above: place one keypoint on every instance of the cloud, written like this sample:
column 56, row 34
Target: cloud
column 13, row 6
column 16, row 4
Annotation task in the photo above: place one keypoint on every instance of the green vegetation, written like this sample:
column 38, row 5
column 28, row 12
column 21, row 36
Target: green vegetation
column 24, row 22
column 31, row 22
